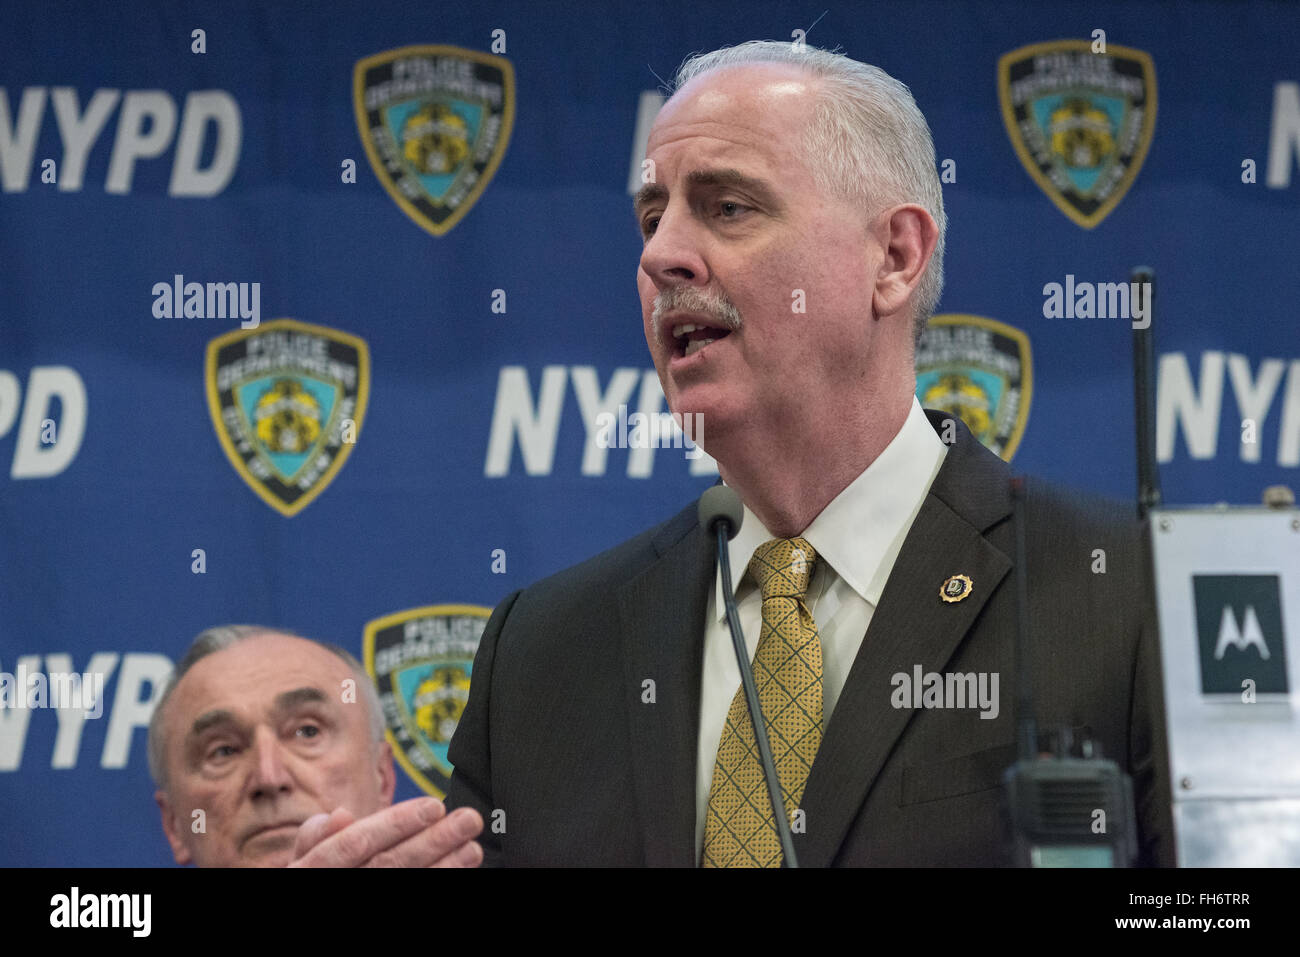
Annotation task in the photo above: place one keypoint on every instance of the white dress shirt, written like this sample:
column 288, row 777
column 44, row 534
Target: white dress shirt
column 857, row 537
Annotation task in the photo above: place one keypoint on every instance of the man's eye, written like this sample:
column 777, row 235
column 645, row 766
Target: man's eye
column 313, row 729
column 648, row 227
column 731, row 209
column 221, row 751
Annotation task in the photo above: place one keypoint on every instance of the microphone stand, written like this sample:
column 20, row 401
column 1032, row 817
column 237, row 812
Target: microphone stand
column 723, row 525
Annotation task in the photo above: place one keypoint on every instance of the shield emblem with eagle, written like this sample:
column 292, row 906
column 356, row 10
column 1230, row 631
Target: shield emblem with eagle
column 421, row 660
column 980, row 370
column 435, row 122
column 287, row 399
column 1081, row 122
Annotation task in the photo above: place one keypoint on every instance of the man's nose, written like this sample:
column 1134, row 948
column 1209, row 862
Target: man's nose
column 673, row 253
column 270, row 772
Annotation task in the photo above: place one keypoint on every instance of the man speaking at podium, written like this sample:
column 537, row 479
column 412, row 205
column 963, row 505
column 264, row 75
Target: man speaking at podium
column 605, row 725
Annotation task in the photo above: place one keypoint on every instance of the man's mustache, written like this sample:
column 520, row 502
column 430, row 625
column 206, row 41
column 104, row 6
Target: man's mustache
column 688, row 299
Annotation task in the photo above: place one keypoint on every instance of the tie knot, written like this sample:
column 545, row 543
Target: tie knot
column 782, row 567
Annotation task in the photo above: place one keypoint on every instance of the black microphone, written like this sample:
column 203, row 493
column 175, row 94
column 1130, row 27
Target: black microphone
column 720, row 510
column 1143, row 279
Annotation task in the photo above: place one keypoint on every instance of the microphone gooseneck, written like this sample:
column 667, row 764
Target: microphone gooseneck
column 720, row 509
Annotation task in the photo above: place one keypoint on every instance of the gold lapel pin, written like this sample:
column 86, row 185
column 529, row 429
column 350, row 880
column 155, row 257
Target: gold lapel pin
column 956, row 588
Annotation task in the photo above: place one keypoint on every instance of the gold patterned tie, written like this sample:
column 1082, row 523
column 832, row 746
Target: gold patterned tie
column 739, row 829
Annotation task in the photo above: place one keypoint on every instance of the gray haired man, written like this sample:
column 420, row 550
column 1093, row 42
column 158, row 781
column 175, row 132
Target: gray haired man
column 793, row 233
column 268, row 750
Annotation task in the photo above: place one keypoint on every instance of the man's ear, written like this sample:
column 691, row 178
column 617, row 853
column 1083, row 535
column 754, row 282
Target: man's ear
column 387, row 776
column 907, row 234
column 172, row 828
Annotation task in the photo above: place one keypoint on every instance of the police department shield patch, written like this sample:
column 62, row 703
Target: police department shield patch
column 421, row 660
column 1081, row 122
column 980, row 370
column 435, row 121
column 287, row 399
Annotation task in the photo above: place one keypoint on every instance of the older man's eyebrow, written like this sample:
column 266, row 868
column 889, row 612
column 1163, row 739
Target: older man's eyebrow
column 729, row 177
column 759, row 189
column 284, row 702
column 288, row 700
column 209, row 720
column 646, row 195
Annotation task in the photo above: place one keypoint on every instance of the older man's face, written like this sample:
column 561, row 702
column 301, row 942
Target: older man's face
column 735, row 226
column 259, row 738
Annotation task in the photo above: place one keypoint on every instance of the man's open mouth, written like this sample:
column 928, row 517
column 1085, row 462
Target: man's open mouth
column 690, row 337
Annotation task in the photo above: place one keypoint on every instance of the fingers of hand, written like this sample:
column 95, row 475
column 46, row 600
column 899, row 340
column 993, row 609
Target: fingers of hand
column 449, row 842
column 318, row 827
column 359, row 842
column 467, row 855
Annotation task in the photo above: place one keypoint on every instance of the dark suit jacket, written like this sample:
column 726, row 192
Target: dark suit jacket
column 557, row 736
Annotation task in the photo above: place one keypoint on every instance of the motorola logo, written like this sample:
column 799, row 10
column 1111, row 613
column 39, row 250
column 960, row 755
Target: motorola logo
column 1240, row 633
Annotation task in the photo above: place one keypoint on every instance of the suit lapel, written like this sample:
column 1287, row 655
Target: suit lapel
column 662, row 614
column 911, row 626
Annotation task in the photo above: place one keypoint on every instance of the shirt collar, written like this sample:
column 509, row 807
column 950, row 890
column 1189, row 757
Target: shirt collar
column 860, row 533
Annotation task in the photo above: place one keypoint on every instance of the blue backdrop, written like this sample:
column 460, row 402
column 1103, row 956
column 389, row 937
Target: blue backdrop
column 460, row 284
